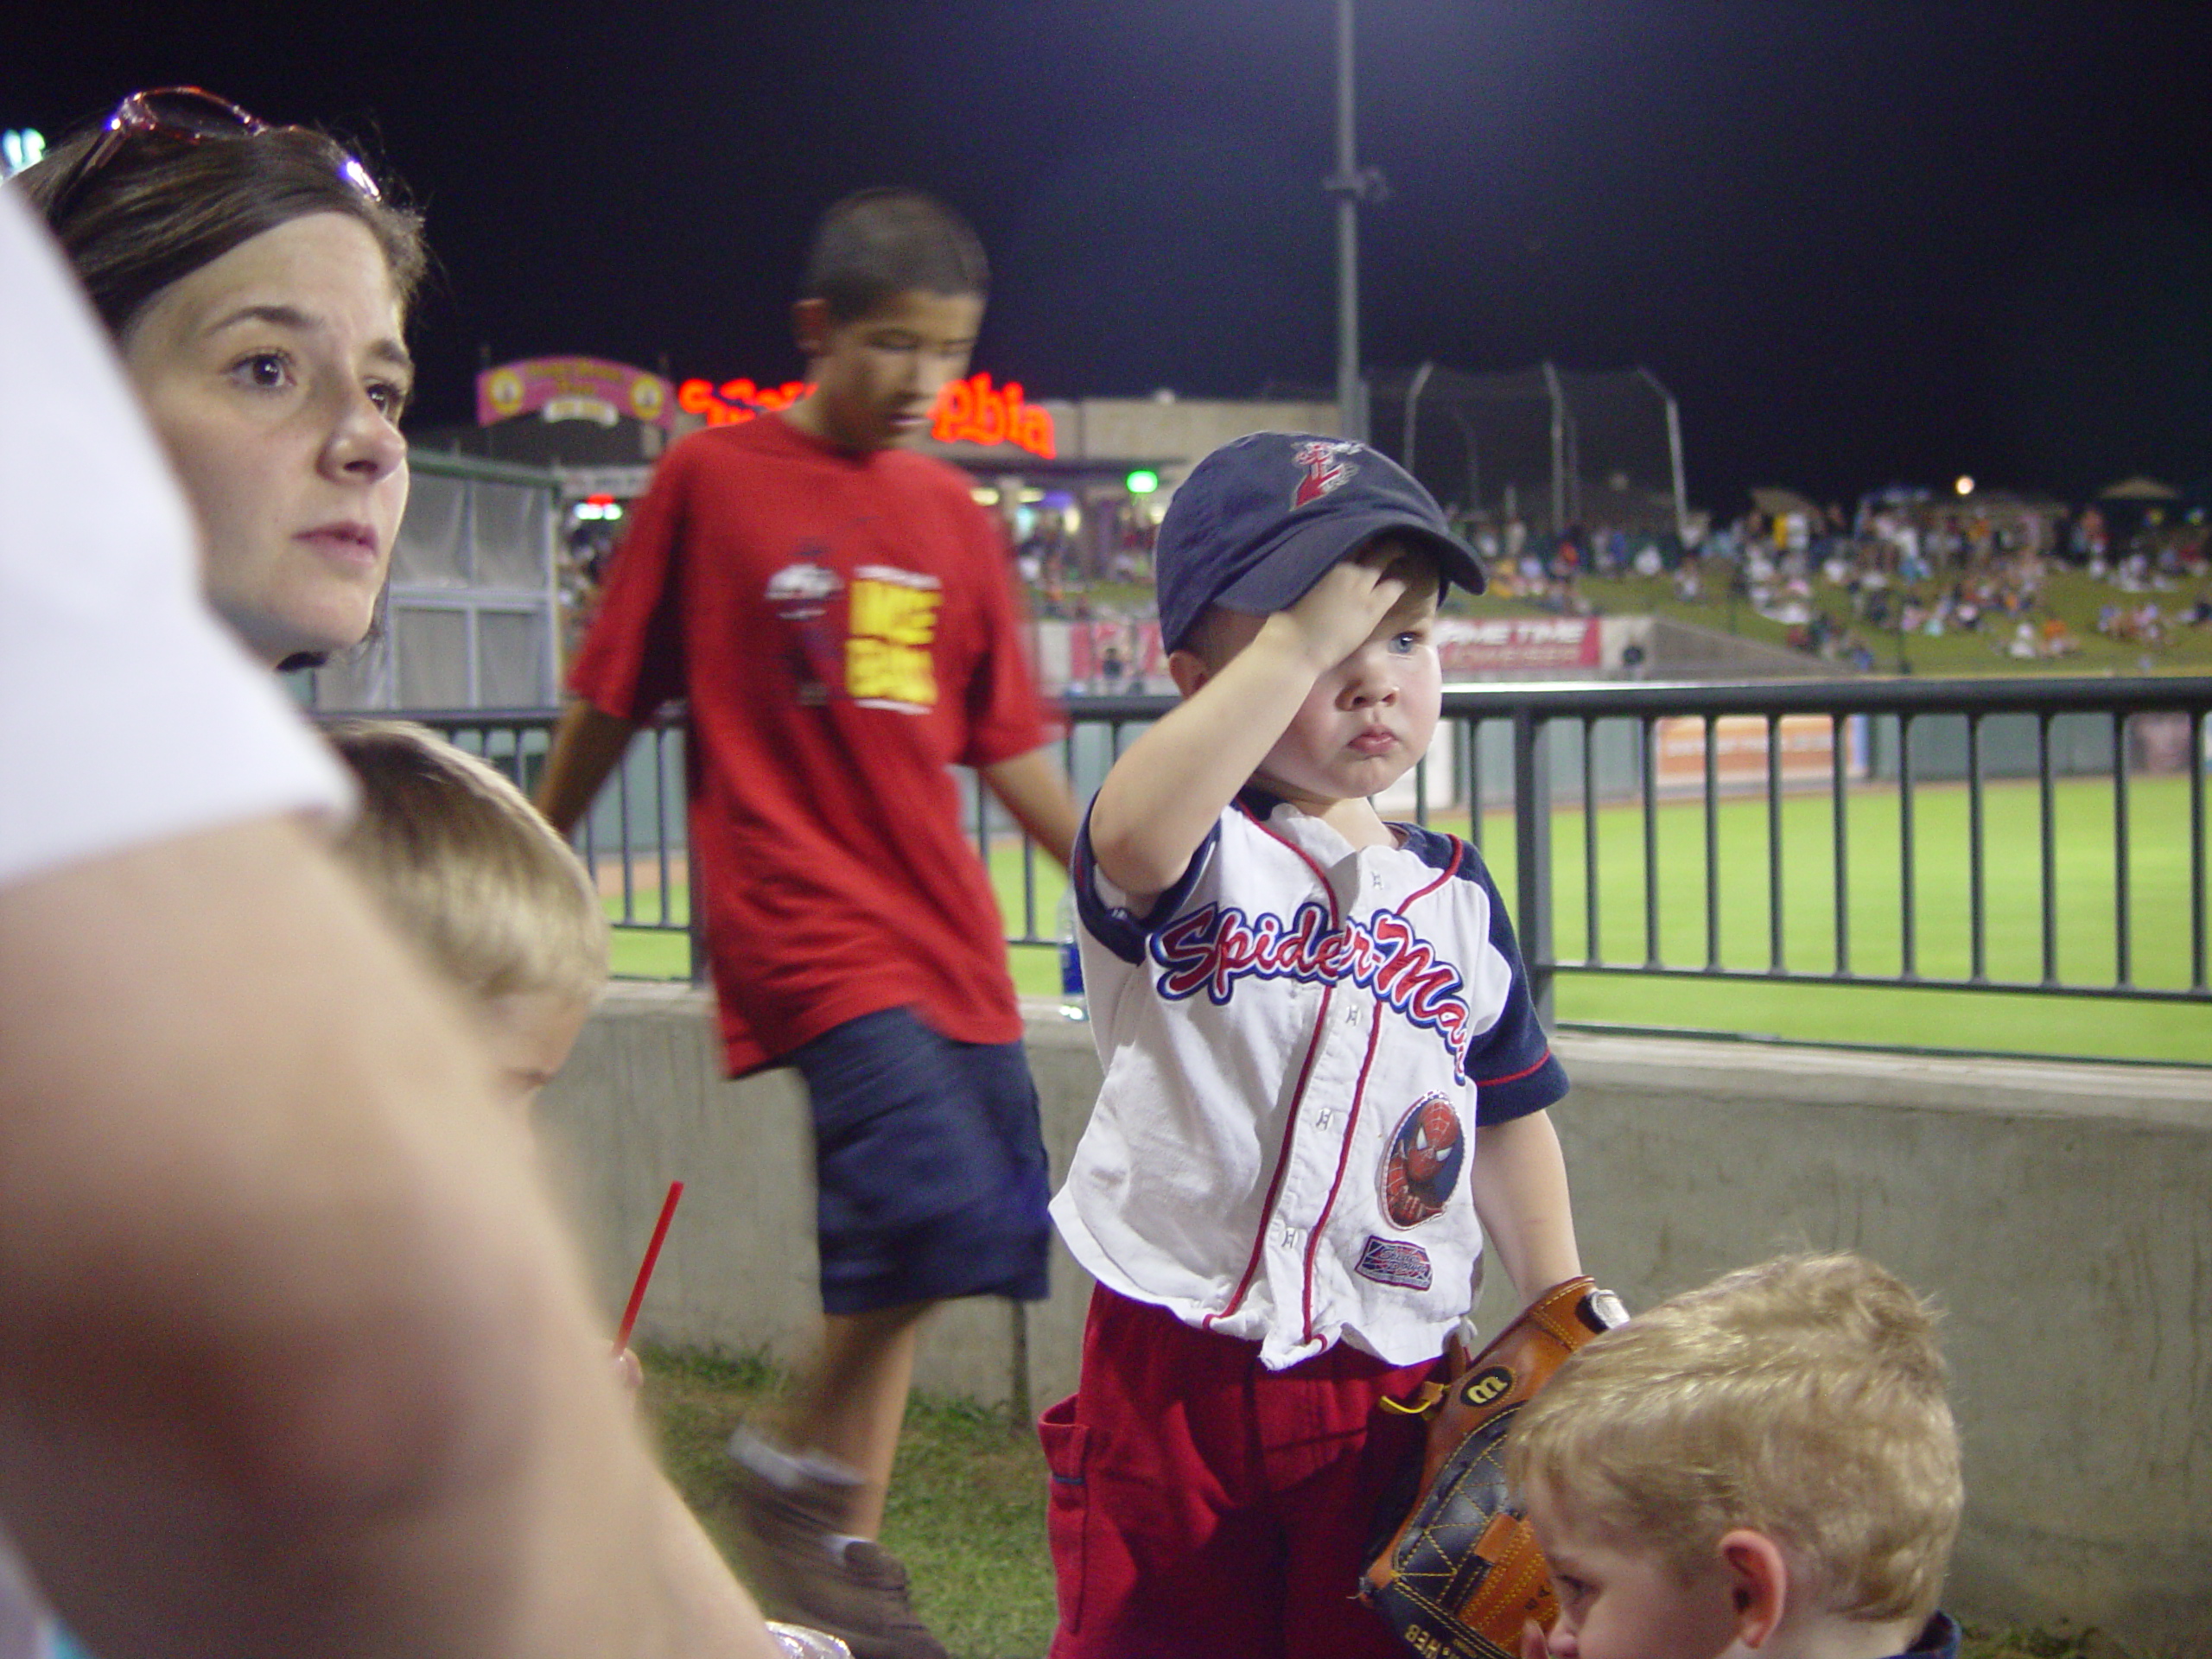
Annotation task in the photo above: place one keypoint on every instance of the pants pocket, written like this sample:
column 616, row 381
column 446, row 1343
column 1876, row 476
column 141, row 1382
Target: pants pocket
column 1067, row 1445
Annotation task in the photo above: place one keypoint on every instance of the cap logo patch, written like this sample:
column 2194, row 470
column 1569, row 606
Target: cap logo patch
column 1325, row 466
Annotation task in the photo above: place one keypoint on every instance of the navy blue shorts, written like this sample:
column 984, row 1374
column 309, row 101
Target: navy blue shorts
column 929, row 1163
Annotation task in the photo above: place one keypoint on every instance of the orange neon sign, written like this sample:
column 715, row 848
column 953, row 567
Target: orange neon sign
column 968, row 412
column 735, row 401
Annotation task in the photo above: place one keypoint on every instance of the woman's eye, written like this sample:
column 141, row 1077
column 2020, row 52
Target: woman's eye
column 267, row 370
column 388, row 398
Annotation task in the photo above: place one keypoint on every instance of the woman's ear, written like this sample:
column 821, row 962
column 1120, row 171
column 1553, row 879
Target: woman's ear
column 1189, row 671
column 1758, row 1583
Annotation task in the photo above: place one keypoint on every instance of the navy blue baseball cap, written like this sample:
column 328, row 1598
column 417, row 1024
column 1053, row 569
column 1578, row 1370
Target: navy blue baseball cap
column 1259, row 520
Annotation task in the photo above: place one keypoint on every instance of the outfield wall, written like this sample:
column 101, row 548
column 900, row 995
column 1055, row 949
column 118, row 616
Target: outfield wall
column 2061, row 1213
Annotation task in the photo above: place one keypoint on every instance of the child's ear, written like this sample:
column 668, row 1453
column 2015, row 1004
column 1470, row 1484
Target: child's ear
column 1757, row 1574
column 1189, row 671
column 810, row 322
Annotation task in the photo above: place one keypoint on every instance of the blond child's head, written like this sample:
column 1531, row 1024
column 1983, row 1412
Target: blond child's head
column 1775, row 1446
column 465, row 869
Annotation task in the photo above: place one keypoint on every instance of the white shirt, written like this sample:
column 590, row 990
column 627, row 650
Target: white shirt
column 127, row 712
column 127, row 715
column 1298, row 1040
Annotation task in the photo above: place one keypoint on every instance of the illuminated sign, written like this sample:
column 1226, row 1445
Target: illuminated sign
column 968, row 412
column 736, row 400
column 572, row 389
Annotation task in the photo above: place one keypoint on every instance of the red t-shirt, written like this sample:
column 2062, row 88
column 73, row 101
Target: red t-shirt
column 845, row 627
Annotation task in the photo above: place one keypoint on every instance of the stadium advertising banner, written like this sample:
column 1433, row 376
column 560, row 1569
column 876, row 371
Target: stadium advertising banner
column 1807, row 744
column 573, row 389
column 1506, row 645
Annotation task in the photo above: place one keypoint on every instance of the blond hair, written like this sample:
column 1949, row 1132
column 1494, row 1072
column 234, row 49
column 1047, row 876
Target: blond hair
column 463, row 866
column 1802, row 1399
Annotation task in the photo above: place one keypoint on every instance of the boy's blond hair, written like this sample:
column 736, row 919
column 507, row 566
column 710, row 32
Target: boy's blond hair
column 465, row 868
column 1802, row 1399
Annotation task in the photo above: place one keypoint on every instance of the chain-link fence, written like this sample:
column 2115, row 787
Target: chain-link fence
column 1553, row 447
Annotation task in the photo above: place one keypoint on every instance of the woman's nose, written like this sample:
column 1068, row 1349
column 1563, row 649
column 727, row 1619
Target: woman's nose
column 365, row 444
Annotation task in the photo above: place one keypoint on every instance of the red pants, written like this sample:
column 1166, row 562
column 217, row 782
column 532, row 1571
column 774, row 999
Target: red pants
column 1203, row 1505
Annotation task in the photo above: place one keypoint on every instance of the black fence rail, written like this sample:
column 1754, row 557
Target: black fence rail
column 1950, row 835
column 1894, row 742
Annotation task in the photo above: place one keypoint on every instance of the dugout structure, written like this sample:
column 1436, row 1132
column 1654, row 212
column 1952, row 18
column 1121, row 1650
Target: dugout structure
column 1555, row 448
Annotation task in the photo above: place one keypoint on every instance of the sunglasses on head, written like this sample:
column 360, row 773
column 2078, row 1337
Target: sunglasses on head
column 186, row 115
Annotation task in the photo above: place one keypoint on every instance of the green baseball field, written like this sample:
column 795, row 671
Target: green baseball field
column 2087, row 920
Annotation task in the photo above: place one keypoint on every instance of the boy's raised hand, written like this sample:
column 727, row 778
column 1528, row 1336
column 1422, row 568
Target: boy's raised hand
column 1338, row 613
column 1162, row 797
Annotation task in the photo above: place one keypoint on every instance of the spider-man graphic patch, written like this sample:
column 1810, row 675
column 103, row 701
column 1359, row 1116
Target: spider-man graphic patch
column 1422, row 1167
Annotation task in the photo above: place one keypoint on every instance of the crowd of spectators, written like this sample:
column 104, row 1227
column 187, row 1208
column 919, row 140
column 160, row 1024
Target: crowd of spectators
column 1898, row 566
column 1847, row 588
column 1061, row 564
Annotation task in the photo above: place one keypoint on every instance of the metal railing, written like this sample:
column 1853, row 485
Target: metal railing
column 1876, row 733
column 1535, row 758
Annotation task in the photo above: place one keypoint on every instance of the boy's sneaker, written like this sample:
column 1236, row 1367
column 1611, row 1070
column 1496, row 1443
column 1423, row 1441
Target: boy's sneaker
column 805, row 1568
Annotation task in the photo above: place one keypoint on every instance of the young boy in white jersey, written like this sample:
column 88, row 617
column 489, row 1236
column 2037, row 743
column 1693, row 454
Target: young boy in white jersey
column 1766, row 1465
column 1325, row 1080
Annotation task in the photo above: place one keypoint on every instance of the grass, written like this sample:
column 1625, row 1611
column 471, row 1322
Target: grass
column 967, row 1510
column 2020, row 1022
column 2024, row 1023
column 636, row 953
column 2071, row 596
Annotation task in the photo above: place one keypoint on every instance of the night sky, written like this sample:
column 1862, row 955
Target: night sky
column 1862, row 243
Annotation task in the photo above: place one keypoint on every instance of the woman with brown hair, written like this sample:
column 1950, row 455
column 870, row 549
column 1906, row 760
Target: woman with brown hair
column 257, row 281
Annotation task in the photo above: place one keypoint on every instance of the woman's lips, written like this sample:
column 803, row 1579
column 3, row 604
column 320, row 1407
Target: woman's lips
column 344, row 543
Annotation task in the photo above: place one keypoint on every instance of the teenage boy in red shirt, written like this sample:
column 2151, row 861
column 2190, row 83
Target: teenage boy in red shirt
column 840, row 617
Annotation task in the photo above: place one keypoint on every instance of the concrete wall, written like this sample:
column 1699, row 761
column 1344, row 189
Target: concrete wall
column 2063, row 1214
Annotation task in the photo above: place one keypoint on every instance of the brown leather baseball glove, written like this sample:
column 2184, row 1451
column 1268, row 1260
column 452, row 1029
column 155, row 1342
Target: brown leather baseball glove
column 1461, row 1573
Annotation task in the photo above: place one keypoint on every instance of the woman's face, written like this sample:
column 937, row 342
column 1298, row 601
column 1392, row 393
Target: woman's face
column 275, row 376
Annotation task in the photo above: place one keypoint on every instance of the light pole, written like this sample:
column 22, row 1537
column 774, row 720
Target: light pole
column 1350, row 184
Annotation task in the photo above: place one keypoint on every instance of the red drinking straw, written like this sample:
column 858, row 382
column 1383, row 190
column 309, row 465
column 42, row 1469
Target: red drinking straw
column 645, row 1267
